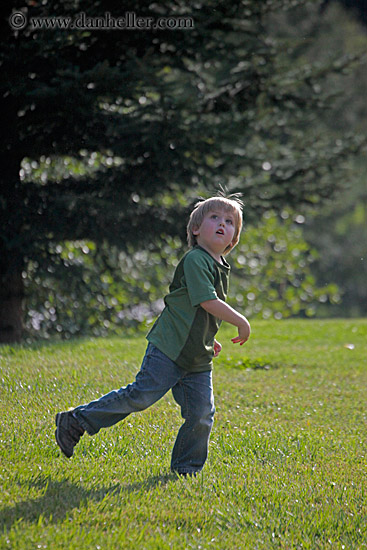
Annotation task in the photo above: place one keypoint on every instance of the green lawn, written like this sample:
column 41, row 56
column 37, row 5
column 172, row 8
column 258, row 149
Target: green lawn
column 287, row 463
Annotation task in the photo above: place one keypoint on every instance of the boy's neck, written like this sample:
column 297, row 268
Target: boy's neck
column 217, row 257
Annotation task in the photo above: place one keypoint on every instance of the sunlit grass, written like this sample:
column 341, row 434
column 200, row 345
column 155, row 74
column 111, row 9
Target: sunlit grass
column 287, row 463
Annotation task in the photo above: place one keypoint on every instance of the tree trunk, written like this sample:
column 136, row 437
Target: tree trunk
column 12, row 243
column 11, row 307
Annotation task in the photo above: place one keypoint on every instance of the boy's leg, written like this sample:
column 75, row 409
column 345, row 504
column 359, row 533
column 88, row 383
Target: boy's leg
column 157, row 375
column 194, row 393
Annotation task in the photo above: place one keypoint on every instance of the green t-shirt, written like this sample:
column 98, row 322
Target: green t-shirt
column 184, row 331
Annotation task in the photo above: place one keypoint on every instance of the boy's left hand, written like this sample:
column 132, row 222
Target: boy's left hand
column 217, row 348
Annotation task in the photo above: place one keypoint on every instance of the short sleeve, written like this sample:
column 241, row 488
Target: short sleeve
column 200, row 279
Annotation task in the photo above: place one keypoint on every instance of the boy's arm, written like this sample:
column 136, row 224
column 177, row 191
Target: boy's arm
column 223, row 311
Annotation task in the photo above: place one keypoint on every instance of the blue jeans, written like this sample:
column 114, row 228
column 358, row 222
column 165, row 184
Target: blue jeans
column 158, row 374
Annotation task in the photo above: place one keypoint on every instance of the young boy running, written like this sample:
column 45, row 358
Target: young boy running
column 181, row 344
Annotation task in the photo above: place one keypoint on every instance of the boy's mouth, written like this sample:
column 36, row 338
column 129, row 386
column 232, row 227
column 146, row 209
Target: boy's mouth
column 220, row 232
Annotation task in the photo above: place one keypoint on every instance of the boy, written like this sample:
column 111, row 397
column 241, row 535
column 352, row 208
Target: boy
column 181, row 343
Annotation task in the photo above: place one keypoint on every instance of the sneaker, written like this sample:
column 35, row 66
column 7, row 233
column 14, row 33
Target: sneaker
column 68, row 432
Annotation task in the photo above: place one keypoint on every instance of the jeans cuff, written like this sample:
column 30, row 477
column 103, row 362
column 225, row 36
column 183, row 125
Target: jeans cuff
column 83, row 424
column 186, row 472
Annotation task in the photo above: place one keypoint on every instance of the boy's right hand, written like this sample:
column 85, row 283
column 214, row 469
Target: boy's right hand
column 244, row 331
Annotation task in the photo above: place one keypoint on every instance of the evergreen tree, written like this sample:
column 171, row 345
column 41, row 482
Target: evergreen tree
column 338, row 231
column 118, row 123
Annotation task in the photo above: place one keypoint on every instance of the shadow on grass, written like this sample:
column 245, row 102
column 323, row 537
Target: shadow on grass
column 259, row 363
column 61, row 497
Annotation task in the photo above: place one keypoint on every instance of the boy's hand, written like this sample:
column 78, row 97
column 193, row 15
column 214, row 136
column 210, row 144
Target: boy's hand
column 217, row 348
column 223, row 311
column 243, row 334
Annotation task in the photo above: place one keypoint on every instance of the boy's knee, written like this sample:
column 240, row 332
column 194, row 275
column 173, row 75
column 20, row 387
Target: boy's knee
column 205, row 415
column 141, row 399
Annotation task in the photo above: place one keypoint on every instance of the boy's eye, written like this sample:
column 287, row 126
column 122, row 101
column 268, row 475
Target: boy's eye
column 229, row 221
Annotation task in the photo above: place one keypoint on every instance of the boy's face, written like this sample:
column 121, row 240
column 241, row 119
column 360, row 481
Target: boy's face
column 216, row 232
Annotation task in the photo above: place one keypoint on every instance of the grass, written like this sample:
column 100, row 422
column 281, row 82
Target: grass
column 287, row 463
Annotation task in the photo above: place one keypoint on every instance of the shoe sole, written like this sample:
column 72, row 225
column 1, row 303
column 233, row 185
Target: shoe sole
column 57, row 419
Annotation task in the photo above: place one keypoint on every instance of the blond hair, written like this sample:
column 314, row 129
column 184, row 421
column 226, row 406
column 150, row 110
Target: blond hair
column 231, row 204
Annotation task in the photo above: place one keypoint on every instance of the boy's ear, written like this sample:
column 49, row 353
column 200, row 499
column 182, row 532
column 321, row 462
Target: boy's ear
column 195, row 231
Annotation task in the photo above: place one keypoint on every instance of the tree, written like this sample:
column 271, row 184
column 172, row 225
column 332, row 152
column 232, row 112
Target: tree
column 357, row 7
column 339, row 230
column 138, row 117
